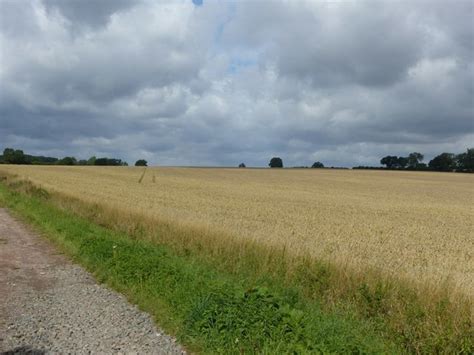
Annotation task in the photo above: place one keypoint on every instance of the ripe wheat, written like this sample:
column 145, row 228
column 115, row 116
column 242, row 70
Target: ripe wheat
column 415, row 225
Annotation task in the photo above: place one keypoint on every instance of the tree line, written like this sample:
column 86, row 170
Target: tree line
column 463, row 162
column 17, row 156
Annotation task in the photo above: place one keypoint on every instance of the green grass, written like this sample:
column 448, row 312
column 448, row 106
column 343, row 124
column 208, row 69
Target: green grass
column 209, row 311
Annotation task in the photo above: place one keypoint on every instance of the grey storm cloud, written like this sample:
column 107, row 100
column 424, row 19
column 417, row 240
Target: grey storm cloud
column 221, row 83
column 88, row 12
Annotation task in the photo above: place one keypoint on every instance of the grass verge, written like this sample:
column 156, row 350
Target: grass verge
column 247, row 306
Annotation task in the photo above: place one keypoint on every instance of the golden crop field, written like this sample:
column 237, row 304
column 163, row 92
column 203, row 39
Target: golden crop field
column 412, row 224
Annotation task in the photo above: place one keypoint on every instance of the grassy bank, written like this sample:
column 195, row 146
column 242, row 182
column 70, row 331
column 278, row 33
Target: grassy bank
column 244, row 297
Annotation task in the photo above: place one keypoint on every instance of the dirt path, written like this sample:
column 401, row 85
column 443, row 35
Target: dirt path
column 49, row 305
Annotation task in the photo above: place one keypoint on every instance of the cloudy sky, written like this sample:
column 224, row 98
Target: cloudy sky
column 219, row 83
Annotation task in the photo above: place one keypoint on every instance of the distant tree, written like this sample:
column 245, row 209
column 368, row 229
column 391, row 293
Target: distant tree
column 8, row 154
column 141, row 162
column 276, row 162
column 67, row 161
column 114, row 162
column 394, row 162
column 41, row 160
column 402, row 162
column 109, row 162
column 101, row 161
column 317, row 165
column 82, row 162
column 91, row 160
column 12, row 156
column 466, row 160
column 443, row 162
column 414, row 159
column 242, row 165
column 390, row 161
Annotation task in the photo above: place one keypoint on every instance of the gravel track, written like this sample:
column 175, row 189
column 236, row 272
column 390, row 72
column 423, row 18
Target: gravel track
column 49, row 305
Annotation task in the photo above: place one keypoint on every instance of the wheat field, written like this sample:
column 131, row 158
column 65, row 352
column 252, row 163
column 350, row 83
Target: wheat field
column 417, row 225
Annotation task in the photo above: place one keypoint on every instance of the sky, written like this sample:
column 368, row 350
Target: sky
column 219, row 83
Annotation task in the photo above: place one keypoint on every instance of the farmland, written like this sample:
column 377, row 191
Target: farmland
column 413, row 225
column 375, row 260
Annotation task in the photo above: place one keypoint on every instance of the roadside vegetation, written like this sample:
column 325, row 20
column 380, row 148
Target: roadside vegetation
column 243, row 296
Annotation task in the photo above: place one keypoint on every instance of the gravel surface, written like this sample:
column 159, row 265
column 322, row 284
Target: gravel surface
column 48, row 305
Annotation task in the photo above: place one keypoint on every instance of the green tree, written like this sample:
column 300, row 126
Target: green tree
column 101, row 161
column 109, row 162
column 8, row 155
column 443, row 162
column 91, row 160
column 466, row 160
column 67, row 161
column 242, row 165
column 402, row 162
column 317, row 165
column 141, row 162
column 276, row 162
column 390, row 161
column 12, row 156
column 414, row 159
